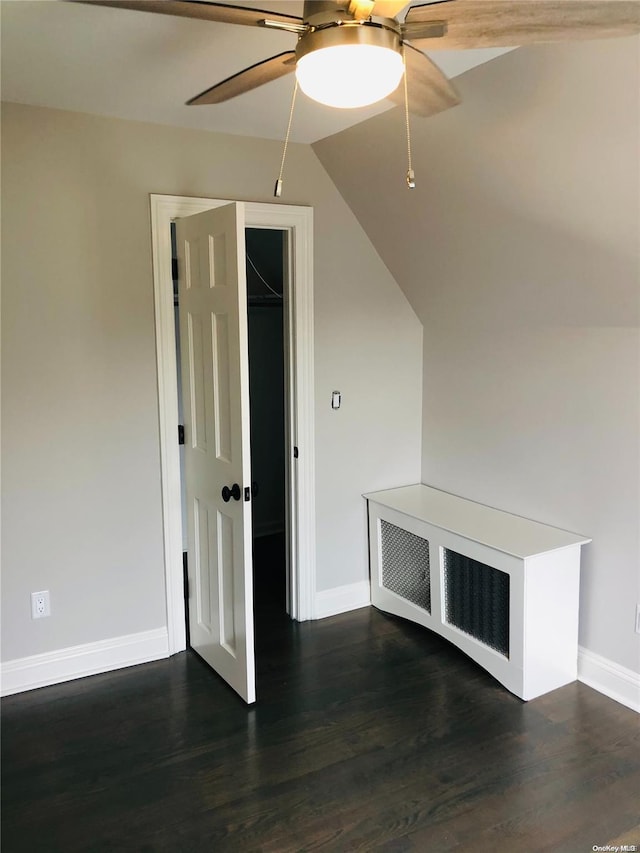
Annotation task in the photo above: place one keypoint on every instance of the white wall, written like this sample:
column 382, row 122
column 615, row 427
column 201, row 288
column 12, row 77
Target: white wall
column 81, row 484
column 520, row 251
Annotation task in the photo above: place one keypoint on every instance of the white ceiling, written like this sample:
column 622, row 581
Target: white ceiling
column 137, row 65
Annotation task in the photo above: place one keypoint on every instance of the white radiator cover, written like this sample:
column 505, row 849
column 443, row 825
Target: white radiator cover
column 502, row 588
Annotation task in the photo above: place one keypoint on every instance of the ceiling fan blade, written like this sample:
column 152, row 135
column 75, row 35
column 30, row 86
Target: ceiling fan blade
column 429, row 90
column 218, row 12
column 510, row 23
column 244, row 81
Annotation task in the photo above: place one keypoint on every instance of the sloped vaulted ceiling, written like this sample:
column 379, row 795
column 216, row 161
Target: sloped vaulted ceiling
column 545, row 142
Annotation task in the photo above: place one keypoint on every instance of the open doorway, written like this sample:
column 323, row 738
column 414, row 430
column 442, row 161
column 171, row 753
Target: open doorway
column 297, row 223
column 267, row 294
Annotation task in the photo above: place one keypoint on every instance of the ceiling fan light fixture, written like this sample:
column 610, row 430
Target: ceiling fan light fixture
column 351, row 75
column 349, row 66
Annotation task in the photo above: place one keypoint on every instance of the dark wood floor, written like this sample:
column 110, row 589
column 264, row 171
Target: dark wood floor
column 368, row 734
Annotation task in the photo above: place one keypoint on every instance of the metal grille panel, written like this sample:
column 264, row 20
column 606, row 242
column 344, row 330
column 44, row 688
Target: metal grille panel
column 477, row 600
column 405, row 564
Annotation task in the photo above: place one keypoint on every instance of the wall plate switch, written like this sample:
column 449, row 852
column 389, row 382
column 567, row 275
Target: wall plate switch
column 40, row 604
column 336, row 398
column 637, row 618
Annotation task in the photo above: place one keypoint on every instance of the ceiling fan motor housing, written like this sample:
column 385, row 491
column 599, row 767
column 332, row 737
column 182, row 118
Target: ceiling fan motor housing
column 349, row 33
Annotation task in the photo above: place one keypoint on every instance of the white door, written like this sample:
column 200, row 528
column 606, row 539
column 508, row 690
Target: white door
column 215, row 388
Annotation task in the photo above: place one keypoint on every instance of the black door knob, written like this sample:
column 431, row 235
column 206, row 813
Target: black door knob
column 233, row 492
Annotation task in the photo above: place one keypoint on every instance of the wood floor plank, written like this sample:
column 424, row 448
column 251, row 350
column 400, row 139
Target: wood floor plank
column 369, row 734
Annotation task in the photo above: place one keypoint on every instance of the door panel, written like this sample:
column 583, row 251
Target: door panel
column 215, row 382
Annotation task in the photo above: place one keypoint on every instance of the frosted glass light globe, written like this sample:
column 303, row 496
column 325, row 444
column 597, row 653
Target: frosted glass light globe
column 350, row 75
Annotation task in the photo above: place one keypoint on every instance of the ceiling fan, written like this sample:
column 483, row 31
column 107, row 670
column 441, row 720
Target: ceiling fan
column 351, row 53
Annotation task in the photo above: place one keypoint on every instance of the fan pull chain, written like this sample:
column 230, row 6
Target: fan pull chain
column 278, row 188
column 411, row 178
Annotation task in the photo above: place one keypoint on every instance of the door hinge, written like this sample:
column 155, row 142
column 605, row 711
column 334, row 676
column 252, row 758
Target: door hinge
column 247, row 493
column 180, row 434
column 295, row 452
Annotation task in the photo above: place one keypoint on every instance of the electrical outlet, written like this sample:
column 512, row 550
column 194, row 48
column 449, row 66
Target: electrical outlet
column 40, row 604
column 637, row 618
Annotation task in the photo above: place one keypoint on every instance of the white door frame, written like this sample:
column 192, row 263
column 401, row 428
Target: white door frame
column 298, row 223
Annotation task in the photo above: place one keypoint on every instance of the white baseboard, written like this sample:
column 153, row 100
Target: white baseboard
column 615, row 681
column 340, row 599
column 78, row 661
